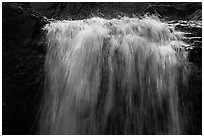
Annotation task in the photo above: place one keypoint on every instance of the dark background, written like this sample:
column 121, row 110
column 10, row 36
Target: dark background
column 24, row 50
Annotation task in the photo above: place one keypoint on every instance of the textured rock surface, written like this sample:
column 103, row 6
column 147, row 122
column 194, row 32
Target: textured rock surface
column 23, row 57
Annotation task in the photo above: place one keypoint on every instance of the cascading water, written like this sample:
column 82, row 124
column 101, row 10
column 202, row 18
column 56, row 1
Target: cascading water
column 118, row 76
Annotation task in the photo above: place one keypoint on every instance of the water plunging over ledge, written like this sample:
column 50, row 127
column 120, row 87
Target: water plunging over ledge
column 118, row 76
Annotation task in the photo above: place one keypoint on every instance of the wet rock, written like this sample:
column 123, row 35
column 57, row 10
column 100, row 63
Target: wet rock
column 174, row 10
column 22, row 68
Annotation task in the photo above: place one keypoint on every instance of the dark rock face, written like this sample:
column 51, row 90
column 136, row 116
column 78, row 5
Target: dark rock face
column 113, row 9
column 85, row 9
column 23, row 57
column 23, row 48
column 172, row 11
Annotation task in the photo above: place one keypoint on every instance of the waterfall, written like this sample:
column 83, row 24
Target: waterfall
column 118, row 76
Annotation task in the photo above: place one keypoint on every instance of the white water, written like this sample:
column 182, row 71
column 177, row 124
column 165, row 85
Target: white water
column 118, row 76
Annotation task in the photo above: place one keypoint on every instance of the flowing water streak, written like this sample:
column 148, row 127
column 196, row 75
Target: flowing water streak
column 118, row 76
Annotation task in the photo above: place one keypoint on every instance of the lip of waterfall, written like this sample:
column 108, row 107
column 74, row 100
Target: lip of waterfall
column 188, row 29
column 118, row 76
